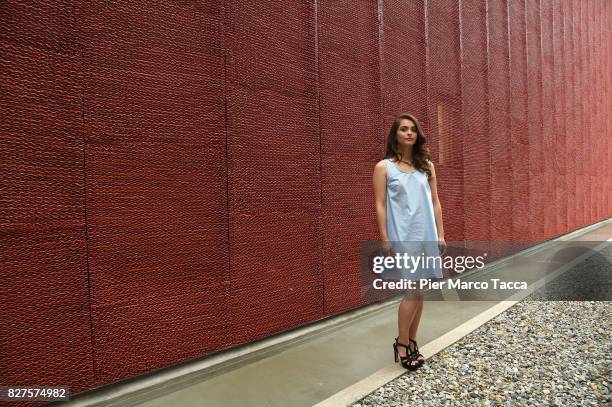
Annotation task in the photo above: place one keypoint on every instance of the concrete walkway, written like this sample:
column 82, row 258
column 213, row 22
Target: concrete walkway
column 320, row 367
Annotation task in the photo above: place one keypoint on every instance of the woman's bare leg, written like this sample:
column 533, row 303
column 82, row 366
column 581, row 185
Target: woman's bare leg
column 405, row 315
column 414, row 326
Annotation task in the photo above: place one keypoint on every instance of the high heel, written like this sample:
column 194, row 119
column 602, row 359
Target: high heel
column 417, row 354
column 407, row 361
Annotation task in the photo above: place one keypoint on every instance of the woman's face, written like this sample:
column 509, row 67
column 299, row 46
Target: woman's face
column 406, row 133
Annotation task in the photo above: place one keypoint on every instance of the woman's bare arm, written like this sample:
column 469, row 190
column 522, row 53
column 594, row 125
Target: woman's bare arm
column 380, row 194
column 436, row 201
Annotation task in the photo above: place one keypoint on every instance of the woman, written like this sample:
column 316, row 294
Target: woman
column 407, row 211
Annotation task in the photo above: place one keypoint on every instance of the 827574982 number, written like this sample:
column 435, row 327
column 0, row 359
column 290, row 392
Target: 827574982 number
column 33, row 393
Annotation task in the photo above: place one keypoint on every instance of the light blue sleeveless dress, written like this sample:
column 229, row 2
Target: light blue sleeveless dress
column 411, row 221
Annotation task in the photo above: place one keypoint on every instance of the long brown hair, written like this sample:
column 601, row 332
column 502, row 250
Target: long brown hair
column 420, row 152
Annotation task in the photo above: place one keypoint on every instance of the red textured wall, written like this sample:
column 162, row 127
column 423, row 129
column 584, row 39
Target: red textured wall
column 180, row 179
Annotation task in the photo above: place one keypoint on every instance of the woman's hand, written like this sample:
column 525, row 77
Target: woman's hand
column 387, row 249
column 442, row 246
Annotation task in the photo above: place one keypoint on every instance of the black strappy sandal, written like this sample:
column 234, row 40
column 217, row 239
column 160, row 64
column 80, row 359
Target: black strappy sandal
column 418, row 354
column 408, row 361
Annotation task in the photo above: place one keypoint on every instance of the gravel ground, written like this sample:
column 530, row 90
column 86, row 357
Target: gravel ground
column 539, row 352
